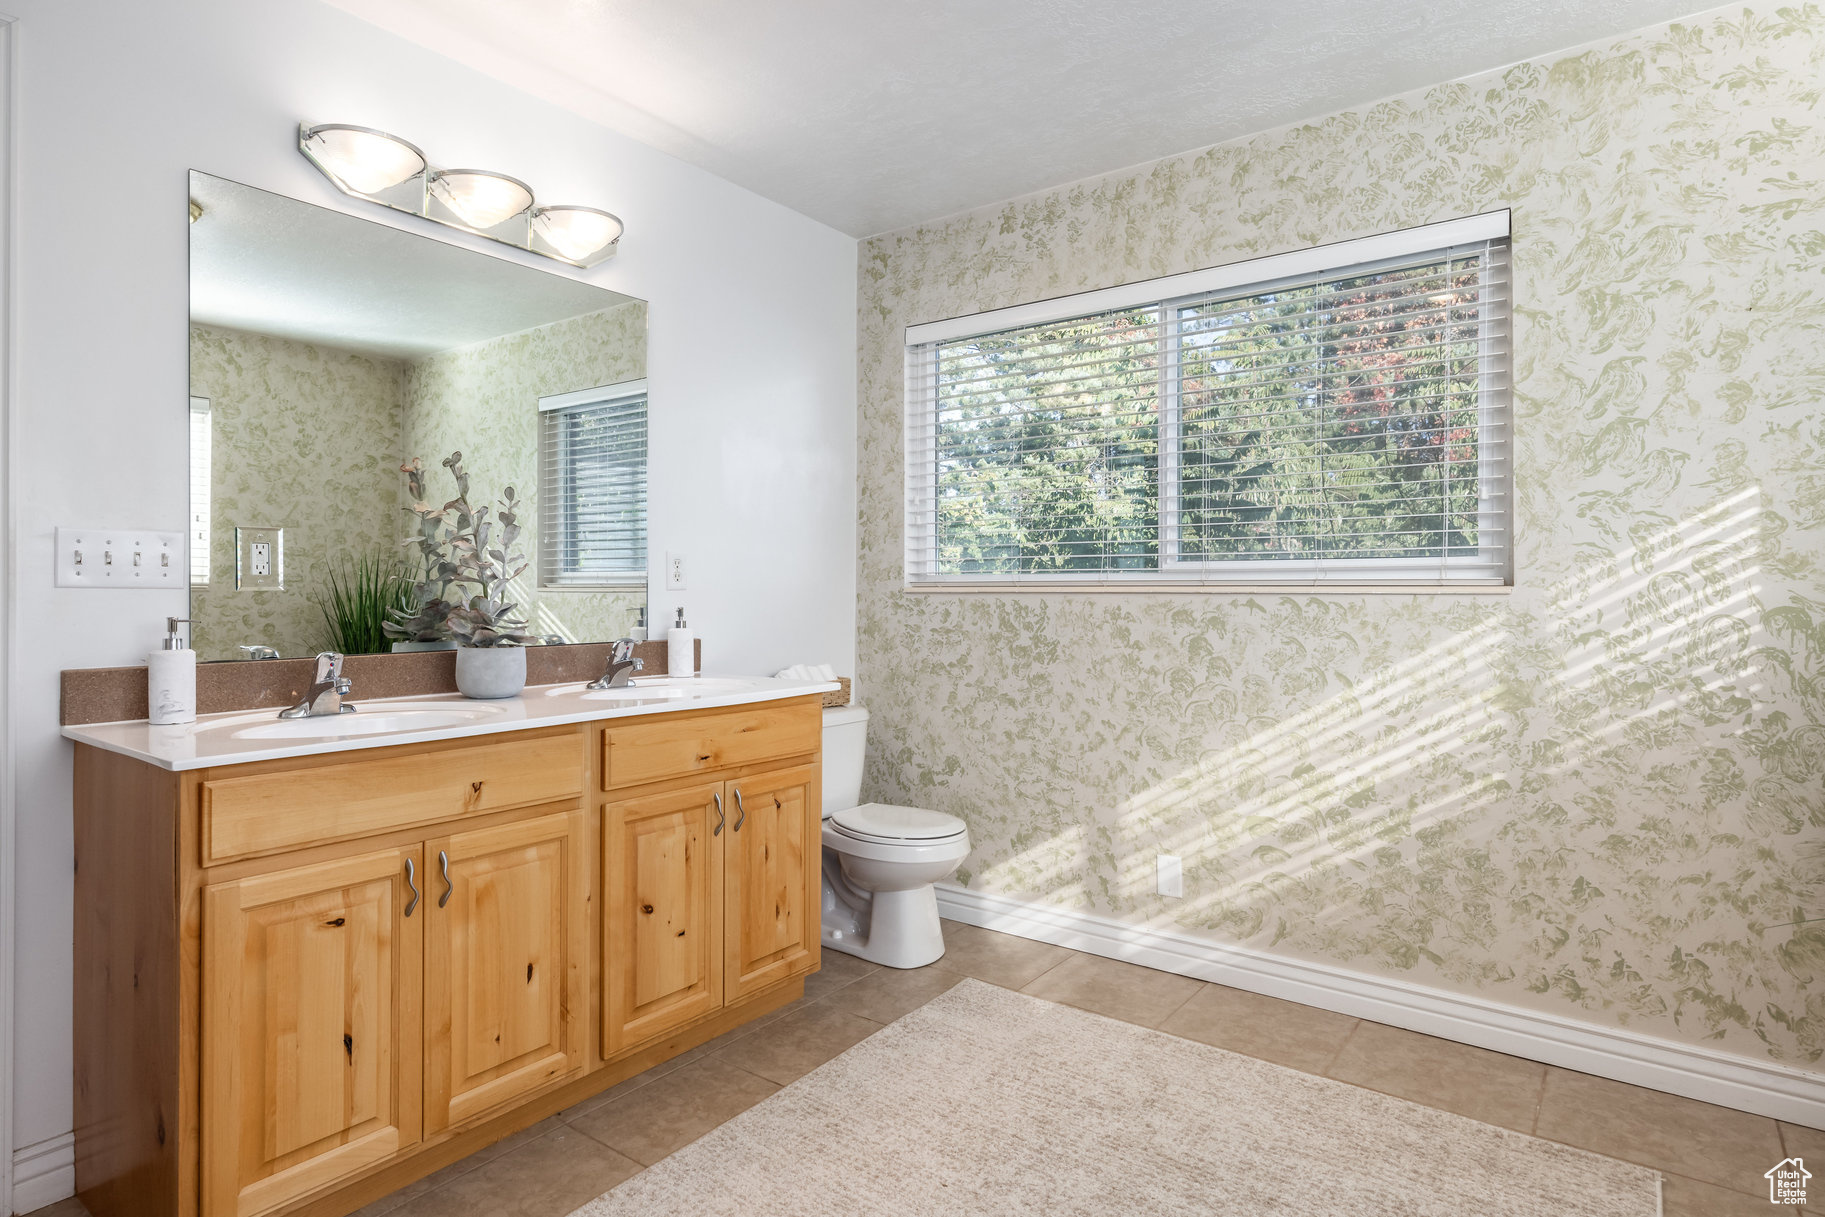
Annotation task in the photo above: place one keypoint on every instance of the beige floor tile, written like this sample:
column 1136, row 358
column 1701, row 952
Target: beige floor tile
column 393, row 1201
column 836, row 970
column 71, row 1207
column 999, row 959
column 628, row 1085
column 789, row 1048
column 545, row 1177
column 1807, row 1143
column 1474, row 1082
column 675, row 1110
column 1683, row 1136
column 892, row 992
column 1284, row 1032
column 1120, row 990
column 1682, row 1197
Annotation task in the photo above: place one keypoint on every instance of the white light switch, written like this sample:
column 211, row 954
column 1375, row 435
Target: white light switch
column 120, row 557
column 674, row 572
column 1171, row 876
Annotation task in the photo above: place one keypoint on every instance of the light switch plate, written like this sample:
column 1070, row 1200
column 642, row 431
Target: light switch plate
column 674, row 572
column 259, row 559
column 121, row 557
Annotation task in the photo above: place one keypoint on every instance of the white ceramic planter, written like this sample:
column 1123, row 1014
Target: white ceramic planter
column 490, row 672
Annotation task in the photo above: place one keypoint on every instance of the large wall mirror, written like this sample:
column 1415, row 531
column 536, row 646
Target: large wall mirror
column 326, row 352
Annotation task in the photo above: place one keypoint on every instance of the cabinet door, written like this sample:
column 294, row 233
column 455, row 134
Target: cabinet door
column 662, row 884
column 310, row 1027
column 506, row 938
column 771, row 880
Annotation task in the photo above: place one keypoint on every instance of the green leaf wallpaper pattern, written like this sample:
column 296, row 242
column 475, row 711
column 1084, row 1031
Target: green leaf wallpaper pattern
column 1602, row 794
column 310, row 438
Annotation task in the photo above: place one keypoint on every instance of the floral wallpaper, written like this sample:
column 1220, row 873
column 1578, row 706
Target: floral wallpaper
column 1601, row 794
column 483, row 400
column 304, row 438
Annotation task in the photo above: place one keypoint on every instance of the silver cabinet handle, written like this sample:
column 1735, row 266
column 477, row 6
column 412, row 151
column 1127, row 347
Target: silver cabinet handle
column 743, row 817
column 443, row 863
column 409, row 883
column 717, row 831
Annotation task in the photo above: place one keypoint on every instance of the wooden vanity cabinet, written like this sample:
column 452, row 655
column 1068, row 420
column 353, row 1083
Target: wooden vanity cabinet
column 711, row 887
column 302, row 984
column 310, row 1027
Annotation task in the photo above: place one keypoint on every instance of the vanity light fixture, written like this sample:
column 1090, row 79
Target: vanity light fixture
column 360, row 160
column 380, row 168
column 574, row 232
column 480, row 199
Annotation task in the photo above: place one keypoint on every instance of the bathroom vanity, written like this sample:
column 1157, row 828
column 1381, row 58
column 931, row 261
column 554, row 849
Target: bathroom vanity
column 312, row 969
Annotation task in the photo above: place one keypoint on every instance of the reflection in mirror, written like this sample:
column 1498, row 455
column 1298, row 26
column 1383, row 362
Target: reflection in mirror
column 326, row 351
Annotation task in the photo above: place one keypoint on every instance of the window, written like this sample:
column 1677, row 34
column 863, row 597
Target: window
column 592, row 484
column 200, row 474
column 1336, row 416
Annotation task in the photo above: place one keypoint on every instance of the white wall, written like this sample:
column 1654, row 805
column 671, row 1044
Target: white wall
column 752, row 359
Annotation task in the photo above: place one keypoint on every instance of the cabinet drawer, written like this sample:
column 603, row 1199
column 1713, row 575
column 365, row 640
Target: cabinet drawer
column 267, row 812
column 682, row 745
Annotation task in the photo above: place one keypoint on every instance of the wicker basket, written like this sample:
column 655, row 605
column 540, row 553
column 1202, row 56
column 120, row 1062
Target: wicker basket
column 841, row 696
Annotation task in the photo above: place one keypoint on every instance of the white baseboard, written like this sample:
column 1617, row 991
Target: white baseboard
column 1762, row 1087
column 44, row 1172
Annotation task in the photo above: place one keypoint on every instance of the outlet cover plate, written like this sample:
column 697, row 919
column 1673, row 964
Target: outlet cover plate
column 259, row 559
column 674, row 572
column 1171, row 876
column 121, row 557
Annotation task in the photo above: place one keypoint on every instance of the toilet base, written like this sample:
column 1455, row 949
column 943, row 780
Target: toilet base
column 894, row 929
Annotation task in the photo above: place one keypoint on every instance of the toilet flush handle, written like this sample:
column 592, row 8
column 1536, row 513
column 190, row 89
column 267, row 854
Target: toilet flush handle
column 717, row 831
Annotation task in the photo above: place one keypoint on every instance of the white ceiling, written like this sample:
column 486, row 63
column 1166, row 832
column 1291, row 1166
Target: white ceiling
column 871, row 116
column 273, row 265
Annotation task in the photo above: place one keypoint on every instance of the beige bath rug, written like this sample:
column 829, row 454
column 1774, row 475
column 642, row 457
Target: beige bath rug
column 990, row 1102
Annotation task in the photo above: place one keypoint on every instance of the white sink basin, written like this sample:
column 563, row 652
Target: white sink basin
column 378, row 721
column 662, row 688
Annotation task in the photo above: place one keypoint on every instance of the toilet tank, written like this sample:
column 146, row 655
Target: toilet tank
column 845, row 740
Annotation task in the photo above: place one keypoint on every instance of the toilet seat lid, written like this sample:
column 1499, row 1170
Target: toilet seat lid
column 886, row 822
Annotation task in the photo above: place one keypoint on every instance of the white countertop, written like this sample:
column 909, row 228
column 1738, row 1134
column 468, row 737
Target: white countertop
column 259, row 735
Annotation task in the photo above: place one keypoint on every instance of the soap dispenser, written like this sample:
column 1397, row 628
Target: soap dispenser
column 171, row 679
column 680, row 651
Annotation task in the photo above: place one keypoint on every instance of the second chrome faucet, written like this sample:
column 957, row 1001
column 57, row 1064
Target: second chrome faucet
column 325, row 695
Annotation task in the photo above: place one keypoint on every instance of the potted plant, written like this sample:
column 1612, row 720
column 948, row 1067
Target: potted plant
column 490, row 635
column 422, row 623
column 360, row 598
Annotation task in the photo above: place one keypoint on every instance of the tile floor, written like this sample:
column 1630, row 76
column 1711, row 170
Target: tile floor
column 1713, row 1157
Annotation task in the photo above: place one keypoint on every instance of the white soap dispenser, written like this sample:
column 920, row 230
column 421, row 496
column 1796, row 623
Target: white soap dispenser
column 171, row 679
column 680, row 651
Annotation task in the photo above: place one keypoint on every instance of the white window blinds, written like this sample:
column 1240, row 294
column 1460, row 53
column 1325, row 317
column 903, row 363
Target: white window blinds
column 1336, row 416
column 200, row 475
column 592, row 488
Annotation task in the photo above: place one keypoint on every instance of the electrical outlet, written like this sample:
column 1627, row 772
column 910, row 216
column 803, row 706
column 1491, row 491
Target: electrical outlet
column 674, row 572
column 121, row 557
column 259, row 559
column 1171, row 876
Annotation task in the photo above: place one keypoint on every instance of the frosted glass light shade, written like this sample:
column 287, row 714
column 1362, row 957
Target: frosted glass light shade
column 363, row 160
column 479, row 198
column 576, row 232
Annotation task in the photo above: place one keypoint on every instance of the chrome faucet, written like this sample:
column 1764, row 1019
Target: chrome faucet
column 621, row 666
column 258, row 651
column 326, row 692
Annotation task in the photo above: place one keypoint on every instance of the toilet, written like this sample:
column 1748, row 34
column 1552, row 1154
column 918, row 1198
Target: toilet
column 880, row 861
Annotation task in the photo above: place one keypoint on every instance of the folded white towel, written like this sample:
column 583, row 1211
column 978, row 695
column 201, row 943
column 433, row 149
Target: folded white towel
column 807, row 671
